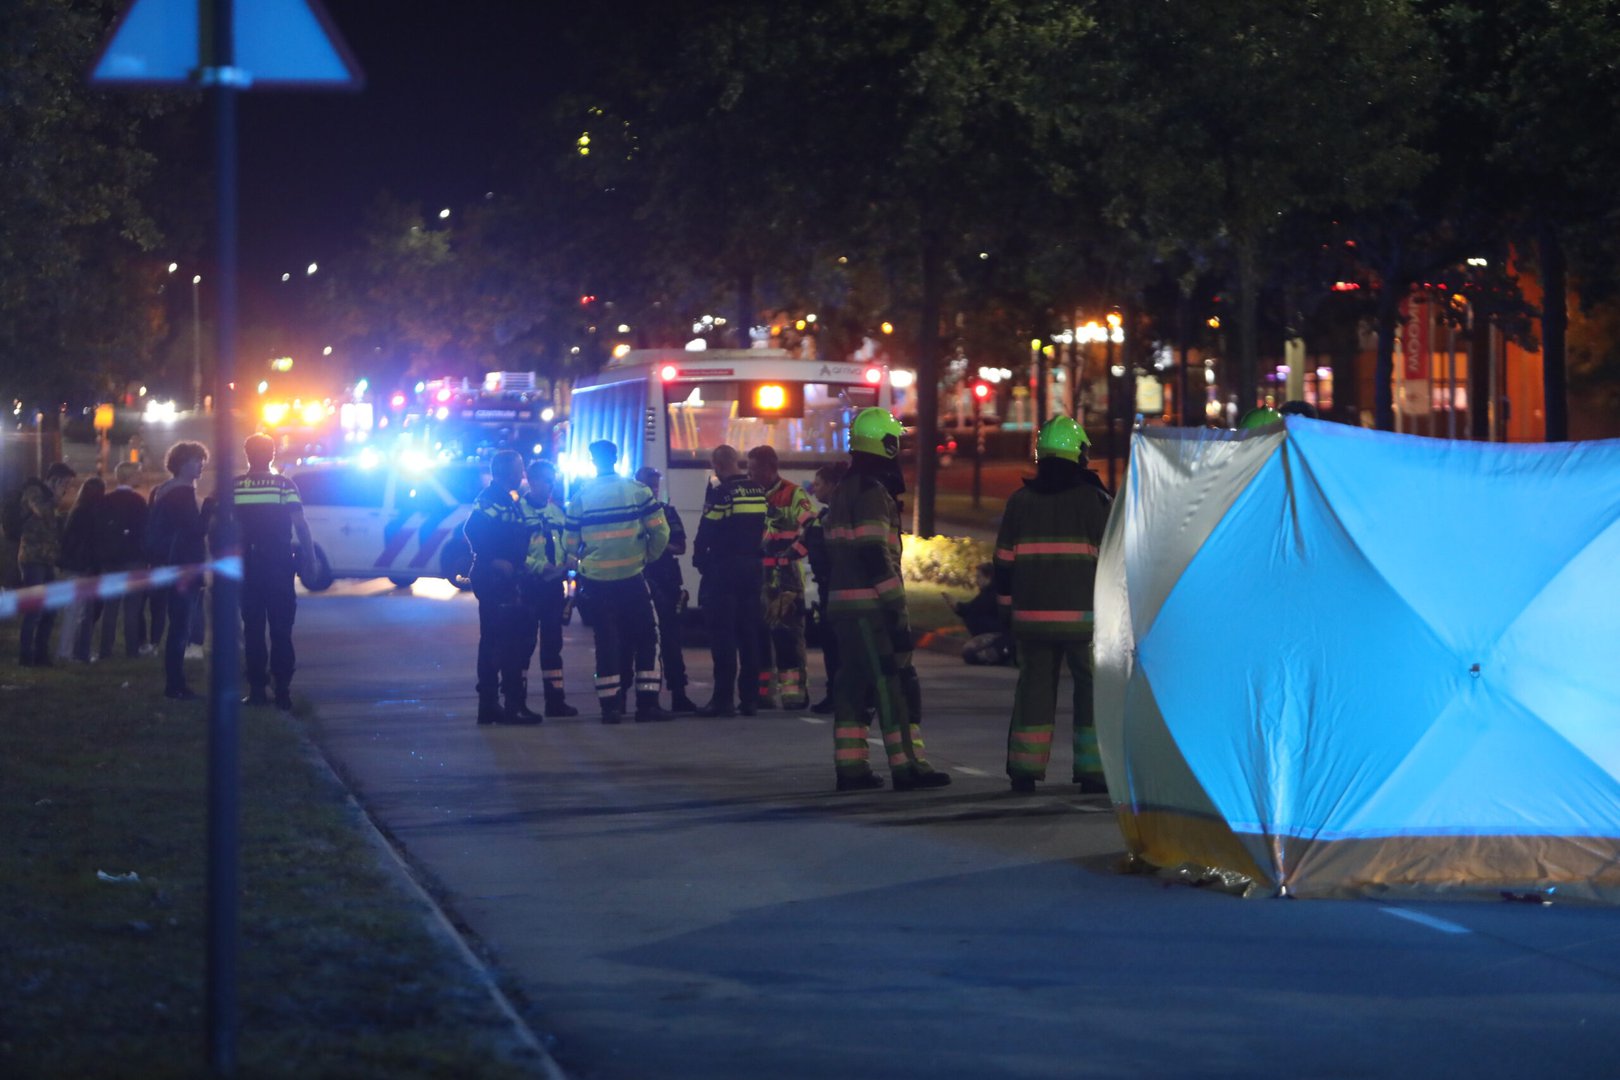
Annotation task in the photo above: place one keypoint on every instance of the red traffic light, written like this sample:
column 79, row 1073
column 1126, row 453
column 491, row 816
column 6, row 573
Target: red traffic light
column 587, row 299
column 981, row 390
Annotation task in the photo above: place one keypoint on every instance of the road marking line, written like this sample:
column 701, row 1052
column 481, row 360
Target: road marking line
column 1427, row 920
column 969, row 770
column 812, row 719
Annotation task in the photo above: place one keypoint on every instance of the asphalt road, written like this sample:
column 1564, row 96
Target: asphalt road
column 694, row 900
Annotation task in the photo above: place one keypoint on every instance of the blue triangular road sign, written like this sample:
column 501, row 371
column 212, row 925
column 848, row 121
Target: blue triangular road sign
column 280, row 44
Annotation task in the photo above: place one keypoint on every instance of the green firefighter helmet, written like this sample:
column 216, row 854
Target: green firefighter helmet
column 876, row 431
column 1061, row 437
column 1258, row 418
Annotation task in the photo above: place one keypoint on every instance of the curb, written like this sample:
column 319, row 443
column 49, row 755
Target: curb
column 441, row 924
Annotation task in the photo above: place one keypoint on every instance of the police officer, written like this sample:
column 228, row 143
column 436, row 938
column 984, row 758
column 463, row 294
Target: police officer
column 1045, row 571
column 615, row 527
column 665, row 585
column 726, row 553
column 498, row 534
column 542, row 585
column 866, row 607
column 269, row 512
column 788, row 514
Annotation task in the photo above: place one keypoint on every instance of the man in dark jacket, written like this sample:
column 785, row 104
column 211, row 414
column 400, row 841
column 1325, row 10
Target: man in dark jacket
column 498, row 533
column 726, row 553
column 177, row 535
column 665, row 585
column 120, row 534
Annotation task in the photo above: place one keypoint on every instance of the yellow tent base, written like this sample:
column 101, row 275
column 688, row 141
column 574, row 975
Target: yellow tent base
column 1546, row 868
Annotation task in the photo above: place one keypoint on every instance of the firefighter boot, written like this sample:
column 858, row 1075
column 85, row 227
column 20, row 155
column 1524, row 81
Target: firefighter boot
column 556, row 705
column 647, row 710
column 517, row 706
column 489, row 710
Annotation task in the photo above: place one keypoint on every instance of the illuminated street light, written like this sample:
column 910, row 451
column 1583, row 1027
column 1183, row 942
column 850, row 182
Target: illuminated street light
column 444, row 213
column 311, row 271
column 175, row 266
column 286, row 277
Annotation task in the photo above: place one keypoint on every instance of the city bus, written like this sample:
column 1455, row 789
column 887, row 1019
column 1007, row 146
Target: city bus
column 669, row 408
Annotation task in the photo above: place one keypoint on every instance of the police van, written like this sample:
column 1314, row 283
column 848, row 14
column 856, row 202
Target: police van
column 396, row 519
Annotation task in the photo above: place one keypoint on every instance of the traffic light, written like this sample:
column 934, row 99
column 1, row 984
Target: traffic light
column 981, row 392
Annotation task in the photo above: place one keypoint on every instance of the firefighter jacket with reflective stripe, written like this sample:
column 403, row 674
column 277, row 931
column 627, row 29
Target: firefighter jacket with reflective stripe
column 264, row 507
column 733, row 525
column 862, row 530
column 1046, row 557
column 787, row 514
column 615, row 527
column 497, row 529
column 546, row 527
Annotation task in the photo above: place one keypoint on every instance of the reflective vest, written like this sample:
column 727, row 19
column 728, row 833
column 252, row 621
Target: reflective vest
column 547, row 524
column 733, row 525
column 615, row 527
column 497, row 530
column 787, row 514
column 264, row 506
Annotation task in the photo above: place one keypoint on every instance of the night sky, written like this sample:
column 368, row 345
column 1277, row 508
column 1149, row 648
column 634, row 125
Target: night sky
column 447, row 87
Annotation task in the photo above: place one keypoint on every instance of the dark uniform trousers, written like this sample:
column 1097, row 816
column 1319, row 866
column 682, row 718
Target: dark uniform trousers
column 622, row 623
column 268, row 601
column 667, row 603
column 504, row 637
column 543, row 624
column 731, row 605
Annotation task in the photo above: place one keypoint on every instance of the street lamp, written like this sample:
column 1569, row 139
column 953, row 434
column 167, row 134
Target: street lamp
column 196, row 339
column 196, row 344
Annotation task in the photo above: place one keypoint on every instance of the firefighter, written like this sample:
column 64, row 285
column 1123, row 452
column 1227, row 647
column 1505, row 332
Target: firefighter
column 788, row 513
column 498, row 534
column 269, row 512
column 815, row 543
column 1045, row 569
column 726, row 552
column 669, row 598
column 866, row 608
column 615, row 528
column 542, row 585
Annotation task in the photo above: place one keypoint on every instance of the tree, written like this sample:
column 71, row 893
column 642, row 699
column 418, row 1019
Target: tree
column 77, row 295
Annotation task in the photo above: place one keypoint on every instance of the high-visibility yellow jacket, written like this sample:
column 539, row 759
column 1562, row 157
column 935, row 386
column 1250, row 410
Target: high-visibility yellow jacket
column 615, row 527
column 547, row 525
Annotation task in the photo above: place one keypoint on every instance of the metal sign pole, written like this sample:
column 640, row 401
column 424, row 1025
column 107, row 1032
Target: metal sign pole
column 223, row 765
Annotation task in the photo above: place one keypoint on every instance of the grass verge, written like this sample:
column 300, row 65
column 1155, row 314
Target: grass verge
column 340, row 975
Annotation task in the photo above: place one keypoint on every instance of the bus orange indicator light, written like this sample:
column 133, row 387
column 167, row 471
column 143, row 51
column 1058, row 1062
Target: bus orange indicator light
column 770, row 396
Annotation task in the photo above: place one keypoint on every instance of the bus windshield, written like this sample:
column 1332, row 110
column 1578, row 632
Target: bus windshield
column 702, row 415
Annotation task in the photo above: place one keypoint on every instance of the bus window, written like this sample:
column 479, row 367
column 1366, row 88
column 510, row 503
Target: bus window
column 702, row 415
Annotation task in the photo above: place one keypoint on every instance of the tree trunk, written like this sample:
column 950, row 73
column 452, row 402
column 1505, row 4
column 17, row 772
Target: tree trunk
column 745, row 309
column 1554, row 331
column 1479, row 378
column 1248, row 365
column 1389, row 307
column 1183, row 376
column 928, row 347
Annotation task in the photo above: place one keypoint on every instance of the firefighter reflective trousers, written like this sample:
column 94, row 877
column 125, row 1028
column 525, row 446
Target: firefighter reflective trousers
column 782, row 655
column 870, row 673
column 1029, row 740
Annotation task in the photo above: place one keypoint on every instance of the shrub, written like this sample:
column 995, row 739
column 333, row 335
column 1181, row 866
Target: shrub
column 949, row 561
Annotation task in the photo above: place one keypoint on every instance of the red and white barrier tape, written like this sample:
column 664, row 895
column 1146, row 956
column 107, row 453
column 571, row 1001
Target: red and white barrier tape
column 60, row 594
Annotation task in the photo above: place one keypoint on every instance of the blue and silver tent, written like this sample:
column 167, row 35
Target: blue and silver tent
column 1336, row 662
